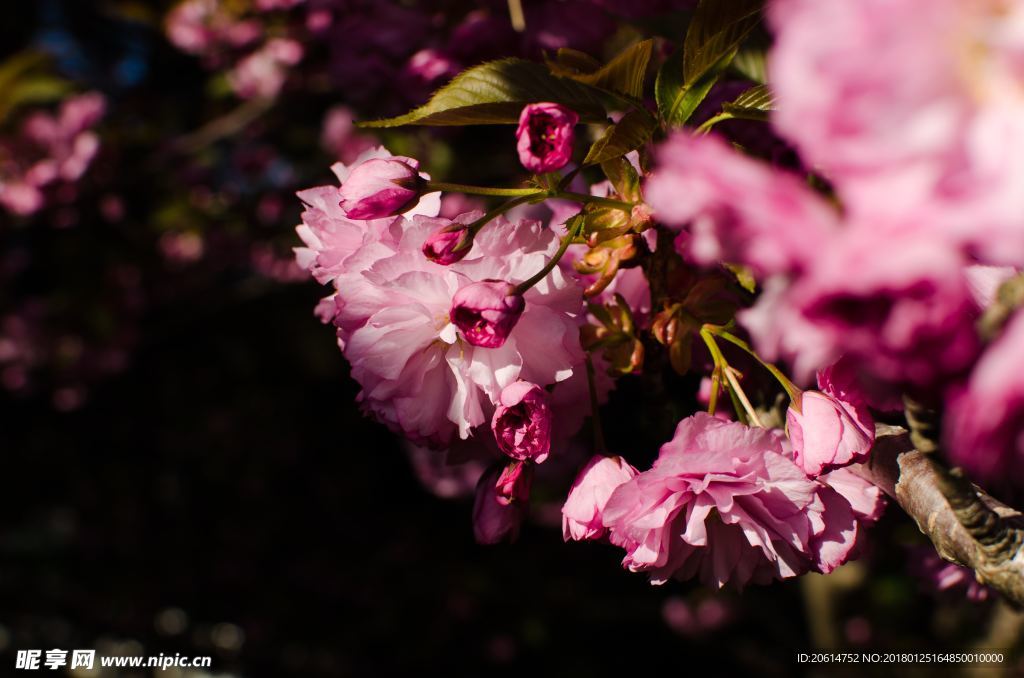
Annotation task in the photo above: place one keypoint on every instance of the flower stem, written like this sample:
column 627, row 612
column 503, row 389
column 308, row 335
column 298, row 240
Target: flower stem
column 730, row 375
column 706, row 126
column 583, row 197
column 482, row 190
column 744, row 410
column 595, row 409
column 475, row 227
column 791, row 389
column 540, row 275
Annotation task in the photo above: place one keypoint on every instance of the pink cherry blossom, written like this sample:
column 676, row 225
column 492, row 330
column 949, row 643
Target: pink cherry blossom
column 545, row 136
column 737, row 209
column 910, row 106
column 52, row 150
column 381, row 187
column 263, row 73
column 985, row 420
column 941, row 576
column 331, row 237
column 583, row 509
column 897, row 304
column 830, row 428
column 486, row 311
column 522, row 422
column 418, row 373
column 495, row 520
column 725, row 502
column 451, row 241
column 513, row 483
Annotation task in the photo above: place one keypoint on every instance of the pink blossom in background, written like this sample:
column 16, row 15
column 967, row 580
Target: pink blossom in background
column 263, row 72
column 832, row 427
column 544, row 136
column 583, row 508
column 426, row 71
column 522, row 422
column 340, row 138
column 737, row 209
column 941, row 576
column 725, row 502
column 984, row 281
column 984, row 422
column 907, row 104
column 897, row 303
column 452, row 473
column 272, row 5
column 201, row 27
column 51, row 151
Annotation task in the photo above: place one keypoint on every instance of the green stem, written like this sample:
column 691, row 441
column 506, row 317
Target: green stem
column 791, row 389
column 482, row 190
column 583, row 197
column 595, row 407
column 740, row 403
column 706, row 126
column 540, row 275
column 737, row 390
column 716, row 374
column 475, row 227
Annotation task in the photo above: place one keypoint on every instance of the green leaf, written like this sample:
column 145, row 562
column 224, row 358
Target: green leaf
column 624, row 74
column 751, row 64
column 716, row 30
column 18, row 65
column 623, row 177
column 715, row 33
column 495, row 93
column 631, row 132
column 36, row 90
column 744, row 276
column 678, row 100
column 753, row 104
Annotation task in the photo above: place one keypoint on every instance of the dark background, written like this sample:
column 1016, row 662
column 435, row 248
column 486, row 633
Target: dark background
column 219, row 492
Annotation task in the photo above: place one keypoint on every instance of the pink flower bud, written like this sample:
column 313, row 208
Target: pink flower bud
column 522, row 422
column 544, row 137
column 448, row 244
column 513, row 485
column 832, row 429
column 494, row 520
column 581, row 514
column 381, row 187
column 486, row 312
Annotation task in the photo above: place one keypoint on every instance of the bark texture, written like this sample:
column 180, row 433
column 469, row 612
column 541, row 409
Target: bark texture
column 967, row 526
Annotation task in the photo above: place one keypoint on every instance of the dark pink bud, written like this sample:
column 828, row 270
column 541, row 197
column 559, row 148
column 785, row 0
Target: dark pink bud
column 381, row 187
column 448, row 244
column 486, row 312
column 513, row 485
column 494, row 520
column 522, row 422
column 544, row 137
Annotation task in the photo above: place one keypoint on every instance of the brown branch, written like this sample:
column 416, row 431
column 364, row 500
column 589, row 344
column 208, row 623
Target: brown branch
column 966, row 526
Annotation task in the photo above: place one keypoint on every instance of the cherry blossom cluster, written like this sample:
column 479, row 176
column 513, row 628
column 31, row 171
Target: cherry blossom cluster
column 51, row 151
column 817, row 251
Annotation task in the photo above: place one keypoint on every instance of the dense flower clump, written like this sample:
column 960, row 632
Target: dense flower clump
column 852, row 238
